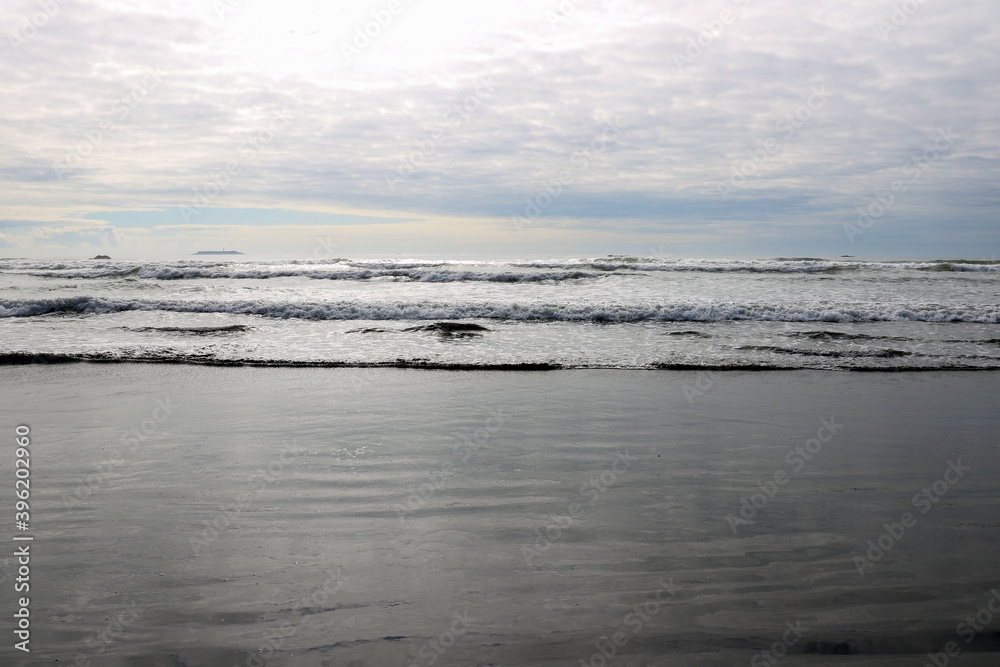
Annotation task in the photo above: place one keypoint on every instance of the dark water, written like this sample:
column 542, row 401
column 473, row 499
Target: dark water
column 185, row 515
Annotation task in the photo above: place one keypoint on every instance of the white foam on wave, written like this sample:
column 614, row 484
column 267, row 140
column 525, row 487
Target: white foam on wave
column 467, row 270
column 418, row 275
column 356, row 310
column 810, row 265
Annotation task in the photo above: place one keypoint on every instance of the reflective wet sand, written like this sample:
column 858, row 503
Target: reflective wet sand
column 219, row 516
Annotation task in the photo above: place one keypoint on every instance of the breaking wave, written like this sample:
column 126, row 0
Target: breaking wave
column 356, row 310
column 516, row 271
column 412, row 274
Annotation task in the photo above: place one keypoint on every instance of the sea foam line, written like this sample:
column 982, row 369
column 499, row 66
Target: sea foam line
column 609, row 313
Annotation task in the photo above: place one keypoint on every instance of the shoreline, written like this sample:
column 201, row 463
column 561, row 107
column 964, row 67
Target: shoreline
column 25, row 359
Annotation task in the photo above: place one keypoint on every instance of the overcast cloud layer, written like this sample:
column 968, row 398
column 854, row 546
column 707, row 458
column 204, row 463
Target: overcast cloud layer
column 582, row 126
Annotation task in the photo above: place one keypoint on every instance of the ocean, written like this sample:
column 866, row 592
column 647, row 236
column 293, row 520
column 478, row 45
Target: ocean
column 315, row 463
column 597, row 312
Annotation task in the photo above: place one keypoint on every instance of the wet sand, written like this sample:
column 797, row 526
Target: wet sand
column 216, row 516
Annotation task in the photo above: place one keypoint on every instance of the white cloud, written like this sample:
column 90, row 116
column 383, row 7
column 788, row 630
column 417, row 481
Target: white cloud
column 98, row 235
column 560, row 70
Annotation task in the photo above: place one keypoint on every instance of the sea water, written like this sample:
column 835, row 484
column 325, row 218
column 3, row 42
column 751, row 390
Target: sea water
column 597, row 312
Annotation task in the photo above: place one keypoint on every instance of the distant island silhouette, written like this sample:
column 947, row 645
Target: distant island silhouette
column 218, row 252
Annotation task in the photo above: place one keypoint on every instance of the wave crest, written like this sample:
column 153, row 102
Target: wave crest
column 611, row 313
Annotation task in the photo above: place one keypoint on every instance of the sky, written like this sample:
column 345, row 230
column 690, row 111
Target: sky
column 513, row 128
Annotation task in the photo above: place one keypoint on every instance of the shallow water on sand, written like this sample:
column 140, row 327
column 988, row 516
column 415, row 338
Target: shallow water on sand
column 219, row 516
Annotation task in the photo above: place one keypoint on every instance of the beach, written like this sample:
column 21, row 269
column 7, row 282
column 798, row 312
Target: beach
column 188, row 515
column 500, row 334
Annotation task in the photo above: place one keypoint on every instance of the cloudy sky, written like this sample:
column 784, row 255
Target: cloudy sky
column 440, row 127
